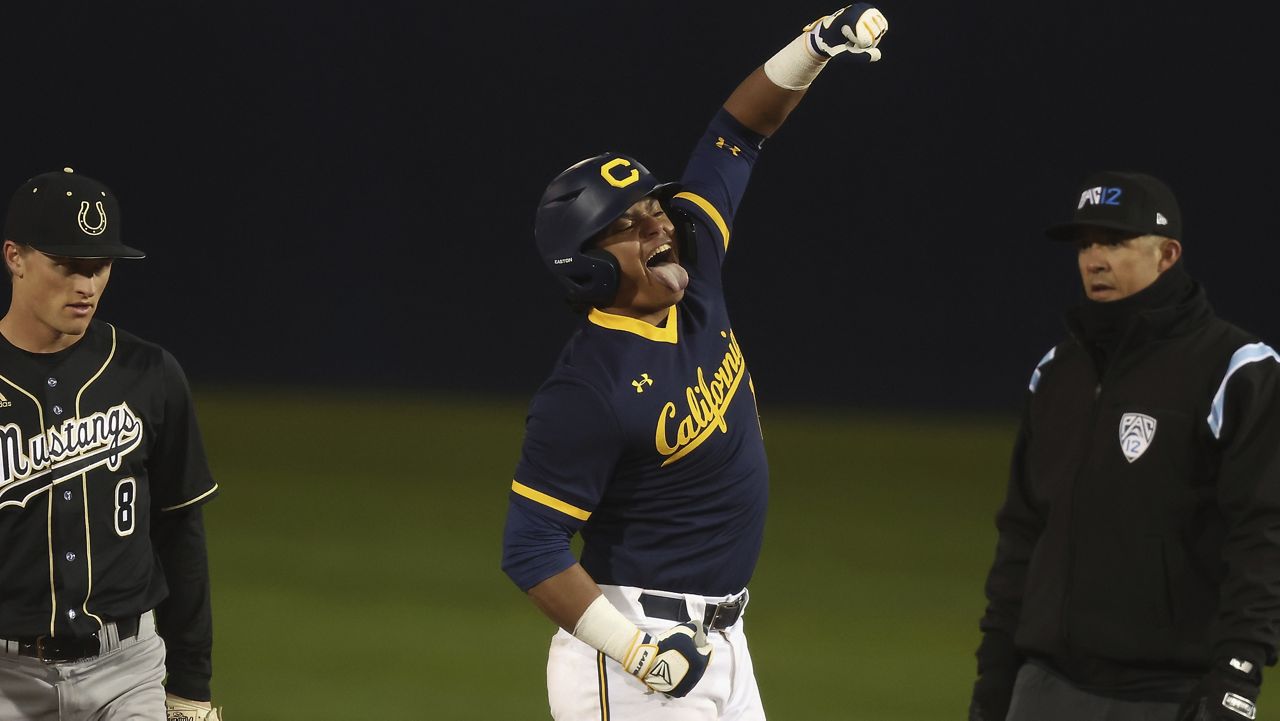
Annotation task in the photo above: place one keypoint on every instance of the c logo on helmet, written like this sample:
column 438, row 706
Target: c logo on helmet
column 84, row 213
column 615, row 181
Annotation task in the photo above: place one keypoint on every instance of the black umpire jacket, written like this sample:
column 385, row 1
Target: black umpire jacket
column 1141, row 528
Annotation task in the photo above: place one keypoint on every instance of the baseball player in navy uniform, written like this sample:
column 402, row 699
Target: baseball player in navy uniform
column 646, row 439
column 104, row 582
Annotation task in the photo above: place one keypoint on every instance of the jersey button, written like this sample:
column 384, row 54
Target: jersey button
column 71, row 556
column 67, row 495
column 53, row 382
column 57, row 410
column 71, row 614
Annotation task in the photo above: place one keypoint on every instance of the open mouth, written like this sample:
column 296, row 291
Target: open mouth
column 664, row 253
column 663, row 265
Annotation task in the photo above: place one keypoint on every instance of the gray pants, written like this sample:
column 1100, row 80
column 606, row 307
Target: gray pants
column 1042, row 696
column 122, row 684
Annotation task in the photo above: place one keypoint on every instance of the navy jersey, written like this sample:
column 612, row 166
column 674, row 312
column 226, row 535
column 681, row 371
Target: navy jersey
column 646, row 439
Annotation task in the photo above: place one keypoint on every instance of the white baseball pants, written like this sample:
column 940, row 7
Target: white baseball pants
column 584, row 685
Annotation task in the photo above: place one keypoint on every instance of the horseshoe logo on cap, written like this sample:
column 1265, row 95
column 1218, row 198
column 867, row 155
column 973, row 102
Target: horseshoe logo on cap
column 84, row 213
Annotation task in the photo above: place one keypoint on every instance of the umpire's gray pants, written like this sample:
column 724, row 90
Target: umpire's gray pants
column 122, row 684
column 1039, row 695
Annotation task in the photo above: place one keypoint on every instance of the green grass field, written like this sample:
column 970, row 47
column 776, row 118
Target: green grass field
column 355, row 557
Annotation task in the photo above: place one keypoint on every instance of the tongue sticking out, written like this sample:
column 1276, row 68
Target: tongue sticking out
column 672, row 275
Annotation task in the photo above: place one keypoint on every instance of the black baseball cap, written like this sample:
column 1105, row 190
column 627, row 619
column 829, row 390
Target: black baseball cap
column 68, row 214
column 1129, row 202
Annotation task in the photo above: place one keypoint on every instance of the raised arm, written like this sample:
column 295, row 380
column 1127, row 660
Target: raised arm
column 765, row 98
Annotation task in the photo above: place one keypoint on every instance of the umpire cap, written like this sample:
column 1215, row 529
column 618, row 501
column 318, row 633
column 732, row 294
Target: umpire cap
column 576, row 207
column 67, row 214
column 1130, row 202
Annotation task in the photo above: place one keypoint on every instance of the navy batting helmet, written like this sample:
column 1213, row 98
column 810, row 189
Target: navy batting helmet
column 580, row 203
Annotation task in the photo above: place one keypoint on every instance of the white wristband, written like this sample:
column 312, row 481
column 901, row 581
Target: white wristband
column 604, row 628
column 795, row 66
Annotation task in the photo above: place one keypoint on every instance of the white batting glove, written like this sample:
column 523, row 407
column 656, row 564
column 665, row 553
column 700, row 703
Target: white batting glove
column 673, row 661
column 855, row 29
column 178, row 708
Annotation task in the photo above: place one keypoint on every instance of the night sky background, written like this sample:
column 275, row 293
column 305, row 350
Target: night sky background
column 341, row 195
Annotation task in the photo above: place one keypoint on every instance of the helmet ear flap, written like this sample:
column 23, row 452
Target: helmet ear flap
column 605, row 275
column 685, row 233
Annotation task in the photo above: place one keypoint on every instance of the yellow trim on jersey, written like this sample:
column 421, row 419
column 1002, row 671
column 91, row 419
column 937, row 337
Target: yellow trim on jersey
column 540, row 497
column 756, row 401
column 193, row 500
column 84, row 489
column 666, row 333
column 711, row 212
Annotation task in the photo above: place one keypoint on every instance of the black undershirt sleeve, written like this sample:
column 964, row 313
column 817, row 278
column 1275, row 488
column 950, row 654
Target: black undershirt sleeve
column 185, row 618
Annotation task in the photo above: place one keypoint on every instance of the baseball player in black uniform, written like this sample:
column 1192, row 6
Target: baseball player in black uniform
column 646, row 438
column 1137, row 572
column 102, row 477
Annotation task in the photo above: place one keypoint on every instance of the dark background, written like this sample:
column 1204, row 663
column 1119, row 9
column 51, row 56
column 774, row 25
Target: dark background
column 341, row 195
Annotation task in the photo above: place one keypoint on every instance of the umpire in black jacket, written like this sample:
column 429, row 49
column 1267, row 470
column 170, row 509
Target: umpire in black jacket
column 1137, row 571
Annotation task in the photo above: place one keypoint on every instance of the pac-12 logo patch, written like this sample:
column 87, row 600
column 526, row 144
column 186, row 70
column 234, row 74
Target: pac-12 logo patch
column 1137, row 430
column 1101, row 195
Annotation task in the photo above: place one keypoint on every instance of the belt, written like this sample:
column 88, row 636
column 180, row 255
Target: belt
column 717, row 617
column 65, row 649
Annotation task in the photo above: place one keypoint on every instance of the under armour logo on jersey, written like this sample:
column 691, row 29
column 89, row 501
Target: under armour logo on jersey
column 82, row 218
column 720, row 143
column 1137, row 430
column 645, row 380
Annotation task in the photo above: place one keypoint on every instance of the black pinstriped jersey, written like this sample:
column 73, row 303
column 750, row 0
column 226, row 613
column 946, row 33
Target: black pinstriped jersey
column 646, row 439
column 95, row 440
